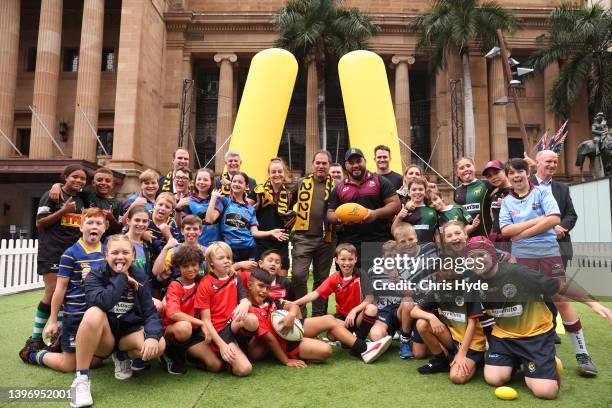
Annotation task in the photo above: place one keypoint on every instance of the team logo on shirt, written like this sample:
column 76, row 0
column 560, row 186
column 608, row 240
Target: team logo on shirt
column 509, row 290
column 372, row 183
column 236, row 221
column 345, row 189
column 477, row 190
column 459, row 301
column 536, row 205
column 472, row 207
column 71, row 220
column 531, row 367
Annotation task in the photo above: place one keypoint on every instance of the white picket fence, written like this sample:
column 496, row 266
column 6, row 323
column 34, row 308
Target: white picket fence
column 18, row 266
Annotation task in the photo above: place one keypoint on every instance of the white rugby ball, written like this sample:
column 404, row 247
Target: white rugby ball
column 294, row 334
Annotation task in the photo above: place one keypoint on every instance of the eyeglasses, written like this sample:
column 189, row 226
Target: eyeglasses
column 181, row 178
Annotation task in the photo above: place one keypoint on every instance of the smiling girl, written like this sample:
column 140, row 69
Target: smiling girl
column 422, row 218
column 274, row 202
column 58, row 226
column 198, row 203
column 471, row 194
column 239, row 226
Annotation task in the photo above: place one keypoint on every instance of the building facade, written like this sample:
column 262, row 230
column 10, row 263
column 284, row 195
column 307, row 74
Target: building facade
column 148, row 76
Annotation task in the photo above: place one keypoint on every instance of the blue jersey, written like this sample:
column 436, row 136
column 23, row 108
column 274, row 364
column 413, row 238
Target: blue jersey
column 150, row 205
column 140, row 262
column 73, row 261
column 159, row 241
column 236, row 222
column 210, row 232
column 538, row 201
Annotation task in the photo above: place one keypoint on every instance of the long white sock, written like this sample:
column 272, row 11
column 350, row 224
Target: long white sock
column 577, row 336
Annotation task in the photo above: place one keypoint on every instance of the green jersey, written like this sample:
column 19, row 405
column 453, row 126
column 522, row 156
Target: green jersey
column 472, row 197
column 455, row 213
column 425, row 222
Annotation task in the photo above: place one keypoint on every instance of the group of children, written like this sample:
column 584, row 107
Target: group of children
column 166, row 286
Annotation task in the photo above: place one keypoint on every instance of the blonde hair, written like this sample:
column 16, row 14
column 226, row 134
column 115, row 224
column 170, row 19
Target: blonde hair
column 167, row 196
column 214, row 247
column 452, row 223
column 148, row 175
column 403, row 228
column 464, row 158
column 117, row 237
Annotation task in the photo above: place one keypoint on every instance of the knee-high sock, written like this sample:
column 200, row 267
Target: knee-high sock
column 40, row 319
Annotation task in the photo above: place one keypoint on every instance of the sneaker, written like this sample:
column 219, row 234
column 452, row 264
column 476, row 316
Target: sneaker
column 435, row 365
column 176, row 366
column 586, row 368
column 80, row 392
column 139, row 365
column 32, row 344
column 405, row 350
column 55, row 344
column 123, row 368
column 376, row 349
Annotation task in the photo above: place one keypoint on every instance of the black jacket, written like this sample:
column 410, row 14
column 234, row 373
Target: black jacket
column 104, row 290
column 568, row 215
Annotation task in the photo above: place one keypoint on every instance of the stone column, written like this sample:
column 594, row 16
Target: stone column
column 579, row 128
column 402, row 104
column 551, row 119
column 9, row 51
column 46, row 79
column 498, row 121
column 312, row 113
column 480, row 96
column 224, row 105
column 88, row 81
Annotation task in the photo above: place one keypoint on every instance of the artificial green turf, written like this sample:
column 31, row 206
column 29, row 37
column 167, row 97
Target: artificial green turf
column 343, row 381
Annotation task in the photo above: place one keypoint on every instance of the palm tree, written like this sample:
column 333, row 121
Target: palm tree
column 581, row 38
column 316, row 30
column 452, row 25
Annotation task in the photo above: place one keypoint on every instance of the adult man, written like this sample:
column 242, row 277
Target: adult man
column 180, row 158
column 233, row 163
column 546, row 166
column 382, row 157
column 313, row 241
column 337, row 173
column 372, row 191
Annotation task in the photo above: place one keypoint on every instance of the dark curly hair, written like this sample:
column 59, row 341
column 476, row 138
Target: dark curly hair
column 187, row 255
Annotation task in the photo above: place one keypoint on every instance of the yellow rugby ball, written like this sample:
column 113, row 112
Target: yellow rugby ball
column 351, row 213
column 559, row 365
column 506, row 393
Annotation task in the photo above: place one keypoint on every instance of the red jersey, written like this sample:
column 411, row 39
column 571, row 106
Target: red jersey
column 347, row 290
column 245, row 276
column 263, row 313
column 179, row 298
column 220, row 296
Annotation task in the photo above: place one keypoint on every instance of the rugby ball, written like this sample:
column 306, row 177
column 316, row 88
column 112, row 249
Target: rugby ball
column 295, row 334
column 351, row 213
column 506, row 393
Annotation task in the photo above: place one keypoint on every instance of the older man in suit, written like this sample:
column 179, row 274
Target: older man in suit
column 546, row 166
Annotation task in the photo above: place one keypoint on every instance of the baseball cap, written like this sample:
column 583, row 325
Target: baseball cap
column 493, row 164
column 353, row 152
column 481, row 243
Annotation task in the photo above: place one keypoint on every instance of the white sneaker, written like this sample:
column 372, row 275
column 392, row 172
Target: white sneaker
column 376, row 349
column 80, row 392
column 123, row 369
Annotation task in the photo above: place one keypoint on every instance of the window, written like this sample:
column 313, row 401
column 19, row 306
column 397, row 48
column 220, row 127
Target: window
column 108, row 60
column 23, row 141
column 515, row 148
column 71, row 60
column 106, row 138
column 31, row 60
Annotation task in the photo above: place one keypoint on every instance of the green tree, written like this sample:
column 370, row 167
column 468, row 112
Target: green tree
column 319, row 30
column 455, row 26
column 581, row 38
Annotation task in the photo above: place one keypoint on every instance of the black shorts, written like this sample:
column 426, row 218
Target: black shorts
column 196, row 337
column 388, row 316
column 121, row 329
column 282, row 247
column 226, row 335
column 44, row 267
column 70, row 326
column 244, row 254
column 475, row 356
column 536, row 353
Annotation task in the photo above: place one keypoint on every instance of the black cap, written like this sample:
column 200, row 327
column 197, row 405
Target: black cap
column 353, row 152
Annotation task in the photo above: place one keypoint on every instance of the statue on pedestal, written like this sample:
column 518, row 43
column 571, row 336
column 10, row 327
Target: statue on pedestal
column 598, row 149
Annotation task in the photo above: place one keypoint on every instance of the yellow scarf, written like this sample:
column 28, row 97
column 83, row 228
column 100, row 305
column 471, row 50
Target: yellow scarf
column 266, row 193
column 225, row 189
column 304, row 202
